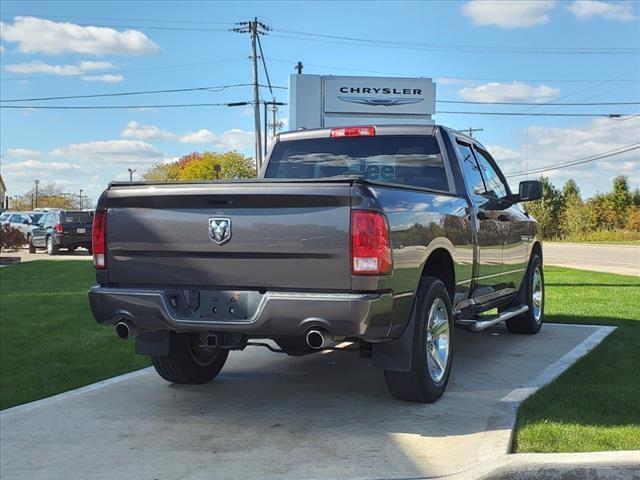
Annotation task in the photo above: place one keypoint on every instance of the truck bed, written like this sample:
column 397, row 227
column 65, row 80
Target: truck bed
column 284, row 235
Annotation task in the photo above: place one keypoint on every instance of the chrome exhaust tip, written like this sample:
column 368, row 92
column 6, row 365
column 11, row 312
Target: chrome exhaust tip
column 318, row 339
column 125, row 330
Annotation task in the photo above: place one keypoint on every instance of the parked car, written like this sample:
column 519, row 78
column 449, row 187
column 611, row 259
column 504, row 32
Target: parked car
column 68, row 229
column 18, row 220
column 386, row 236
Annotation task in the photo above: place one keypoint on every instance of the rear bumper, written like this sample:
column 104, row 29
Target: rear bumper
column 62, row 239
column 356, row 315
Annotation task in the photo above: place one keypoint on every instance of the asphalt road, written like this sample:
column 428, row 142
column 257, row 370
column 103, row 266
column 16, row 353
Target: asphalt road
column 621, row 259
column 268, row 416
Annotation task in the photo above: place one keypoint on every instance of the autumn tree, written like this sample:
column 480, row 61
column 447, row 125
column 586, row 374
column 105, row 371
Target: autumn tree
column 203, row 166
column 51, row 195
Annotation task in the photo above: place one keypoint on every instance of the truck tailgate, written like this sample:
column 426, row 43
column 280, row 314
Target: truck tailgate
column 283, row 235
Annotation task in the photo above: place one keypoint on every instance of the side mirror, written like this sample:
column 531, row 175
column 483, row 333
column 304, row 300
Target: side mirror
column 530, row 190
column 26, row 222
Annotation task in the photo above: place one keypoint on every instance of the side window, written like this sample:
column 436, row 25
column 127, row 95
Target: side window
column 470, row 169
column 15, row 218
column 495, row 186
column 48, row 221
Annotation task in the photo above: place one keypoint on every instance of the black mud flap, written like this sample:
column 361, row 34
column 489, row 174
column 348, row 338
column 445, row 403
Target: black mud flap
column 397, row 354
column 155, row 344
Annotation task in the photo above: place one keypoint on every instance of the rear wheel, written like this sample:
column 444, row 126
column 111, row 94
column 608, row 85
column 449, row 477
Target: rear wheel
column 530, row 321
column 51, row 248
column 188, row 361
column 432, row 347
column 71, row 248
column 32, row 248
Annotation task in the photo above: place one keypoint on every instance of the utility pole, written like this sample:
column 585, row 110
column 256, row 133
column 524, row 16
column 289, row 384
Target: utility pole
column 36, row 182
column 81, row 199
column 255, row 28
column 470, row 131
column 275, row 124
column 131, row 172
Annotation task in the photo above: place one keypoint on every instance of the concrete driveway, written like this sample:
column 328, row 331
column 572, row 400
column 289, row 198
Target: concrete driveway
column 268, row 416
column 621, row 259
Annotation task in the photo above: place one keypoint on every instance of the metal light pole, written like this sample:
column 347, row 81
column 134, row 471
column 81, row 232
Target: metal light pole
column 131, row 172
column 37, row 182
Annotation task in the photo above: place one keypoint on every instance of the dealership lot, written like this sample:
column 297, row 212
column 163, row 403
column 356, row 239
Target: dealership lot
column 322, row 416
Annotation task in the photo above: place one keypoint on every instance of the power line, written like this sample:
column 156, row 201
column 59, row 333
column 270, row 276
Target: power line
column 580, row 161
column 215, row 88
column 116, row 19
column 114, row 107
column 538, row 104
column 454, row 77
column 522, row 114
column 264, row 65
column 467, row 48
column 164, row 67
column 153, row 27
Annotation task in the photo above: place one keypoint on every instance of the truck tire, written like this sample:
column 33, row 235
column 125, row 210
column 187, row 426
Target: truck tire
column 71, row 248
column 32, row 248
column 432, row 347
column 530, row 321
column 52, row 249
column 187, row 363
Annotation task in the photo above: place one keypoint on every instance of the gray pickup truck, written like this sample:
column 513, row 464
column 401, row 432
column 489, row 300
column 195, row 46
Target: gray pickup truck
column 387, row 237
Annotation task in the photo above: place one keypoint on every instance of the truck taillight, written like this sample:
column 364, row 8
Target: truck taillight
column 99, row 239
column 370, row 246
column 353, row 132
column 59, row 228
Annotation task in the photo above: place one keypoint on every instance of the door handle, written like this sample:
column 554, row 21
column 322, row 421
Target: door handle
column 481, row 215
column 503, row 218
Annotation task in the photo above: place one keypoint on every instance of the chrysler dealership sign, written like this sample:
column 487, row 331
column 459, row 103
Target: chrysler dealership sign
column 326, row 101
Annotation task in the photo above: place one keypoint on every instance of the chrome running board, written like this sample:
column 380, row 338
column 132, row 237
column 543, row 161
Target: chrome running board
column 476, row 325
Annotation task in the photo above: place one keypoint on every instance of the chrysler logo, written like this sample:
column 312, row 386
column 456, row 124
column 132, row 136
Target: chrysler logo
column 220, row 230
column 385, row 102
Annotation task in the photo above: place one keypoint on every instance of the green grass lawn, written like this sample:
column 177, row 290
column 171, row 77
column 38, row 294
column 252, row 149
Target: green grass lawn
column 49, row 342
column 595, row 405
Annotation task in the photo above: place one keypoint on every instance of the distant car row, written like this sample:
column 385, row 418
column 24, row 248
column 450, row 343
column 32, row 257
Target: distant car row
column 53, row 230
column 20, row 220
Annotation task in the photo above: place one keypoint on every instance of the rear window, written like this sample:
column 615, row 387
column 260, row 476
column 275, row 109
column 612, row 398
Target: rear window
column 76, row 217
column 35, row 217
column 406, row 160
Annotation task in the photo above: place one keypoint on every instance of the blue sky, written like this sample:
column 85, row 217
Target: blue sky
column 53, row 49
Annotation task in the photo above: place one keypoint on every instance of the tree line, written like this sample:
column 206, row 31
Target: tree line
column 611, row 216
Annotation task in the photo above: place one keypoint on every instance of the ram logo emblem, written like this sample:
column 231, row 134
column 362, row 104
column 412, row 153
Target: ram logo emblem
column 220, row 230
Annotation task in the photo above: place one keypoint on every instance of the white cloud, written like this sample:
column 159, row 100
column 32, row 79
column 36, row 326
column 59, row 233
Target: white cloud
column 145, row 132
column 38, row 35
column 69, row 69
column 585, row 9
column 201, row 136
column 22, row 152
column 106, row 78
column 111, row 151
column 234, row 139
column 31, row 167
column 508, row 14
column 509, row 92
column 545, row 146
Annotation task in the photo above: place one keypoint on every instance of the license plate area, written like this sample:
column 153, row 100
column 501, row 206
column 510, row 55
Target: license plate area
column 213, row 305
column 81, row 230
